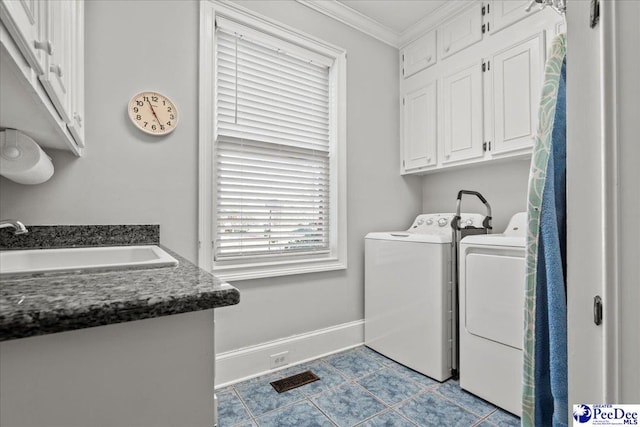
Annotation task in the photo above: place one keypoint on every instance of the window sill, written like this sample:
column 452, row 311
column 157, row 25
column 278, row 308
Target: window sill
column 235, row 273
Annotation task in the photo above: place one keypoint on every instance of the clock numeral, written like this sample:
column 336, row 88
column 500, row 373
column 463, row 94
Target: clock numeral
column 154, row 98
column 145, row 124
column 169, row 109
column 153, row 127
column 145, row 98
column 139, row 103
column 164, row 103
column 135, row 109
column 169, row 123
column 161, row 127
column 171, row 116
column 138, row 117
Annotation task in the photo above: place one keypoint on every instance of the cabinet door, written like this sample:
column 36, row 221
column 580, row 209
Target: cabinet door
column 76, row 126
column 463, row 31
column 23, row 21
column 462, row 115
column 420, row 128
column 504, row 13
column 419, row 54
column 57, row 76
column 517, row 73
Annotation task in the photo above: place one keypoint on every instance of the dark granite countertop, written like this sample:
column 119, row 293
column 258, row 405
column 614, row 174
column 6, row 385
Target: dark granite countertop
column 57, row 303
column 46, row 304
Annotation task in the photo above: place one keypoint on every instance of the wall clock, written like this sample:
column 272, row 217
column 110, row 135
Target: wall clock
column 153, row 113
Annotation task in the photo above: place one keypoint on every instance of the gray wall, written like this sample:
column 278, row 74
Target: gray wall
column 504, row 185
column 128, row 177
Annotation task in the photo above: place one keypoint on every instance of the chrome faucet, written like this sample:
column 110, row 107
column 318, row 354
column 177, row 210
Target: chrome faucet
column 18, row 227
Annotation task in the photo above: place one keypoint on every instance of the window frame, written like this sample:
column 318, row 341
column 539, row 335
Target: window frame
column 337, row 257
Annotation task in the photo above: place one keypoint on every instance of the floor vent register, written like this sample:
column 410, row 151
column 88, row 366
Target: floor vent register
column 294, row 381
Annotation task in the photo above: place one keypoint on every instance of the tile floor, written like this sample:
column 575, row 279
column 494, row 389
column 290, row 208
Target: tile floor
column 358, row 387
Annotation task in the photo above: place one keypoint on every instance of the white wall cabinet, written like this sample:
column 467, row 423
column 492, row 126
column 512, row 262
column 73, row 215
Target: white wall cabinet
column 419, row 54
column 56, row 78
column 42, row 80
column 461, row 32
column 502, row 14
column 516, row 73
column 462, row 114
column 23, row 20
column 76, row 123
column 420, row 127
column 488, row 89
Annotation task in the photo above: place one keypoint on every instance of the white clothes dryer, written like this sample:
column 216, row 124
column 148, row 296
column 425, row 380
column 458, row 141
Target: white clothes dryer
column 492, row 282
column 408, row 300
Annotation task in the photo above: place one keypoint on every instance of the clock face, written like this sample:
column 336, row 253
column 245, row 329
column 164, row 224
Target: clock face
column 153, row 113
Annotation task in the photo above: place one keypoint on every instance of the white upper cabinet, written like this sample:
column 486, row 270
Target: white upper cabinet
column 479, row 101
column 22, row 19
column 502, row 14
column 419, row 54
column 56, row 78
column 420, row 128
column 517, row 74
column 462, row 114
column 460, row 32
column 76, row 124
column 42, row 84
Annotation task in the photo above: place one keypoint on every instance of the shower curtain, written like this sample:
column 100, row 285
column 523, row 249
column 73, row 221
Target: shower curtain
column 545, row 388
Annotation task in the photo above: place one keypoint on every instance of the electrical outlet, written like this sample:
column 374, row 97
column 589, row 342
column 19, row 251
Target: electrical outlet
column 279, row 359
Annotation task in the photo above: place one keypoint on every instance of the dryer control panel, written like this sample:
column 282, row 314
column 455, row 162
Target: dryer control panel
column 440, row 223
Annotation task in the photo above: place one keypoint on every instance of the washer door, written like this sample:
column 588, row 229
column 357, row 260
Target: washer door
column 495, row 297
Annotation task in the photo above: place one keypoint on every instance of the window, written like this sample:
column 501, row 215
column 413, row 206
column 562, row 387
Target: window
column 272, row 181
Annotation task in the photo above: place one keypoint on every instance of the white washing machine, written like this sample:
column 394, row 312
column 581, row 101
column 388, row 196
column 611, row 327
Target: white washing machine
column 492, row 282
column 408, row 294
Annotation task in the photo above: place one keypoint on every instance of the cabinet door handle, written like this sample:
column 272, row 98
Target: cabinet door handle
column 446, row 49
column 46, row 46
column 429, row 58
column 597, row 310
column 428, row 159
column 56, row 69
column 78, row 118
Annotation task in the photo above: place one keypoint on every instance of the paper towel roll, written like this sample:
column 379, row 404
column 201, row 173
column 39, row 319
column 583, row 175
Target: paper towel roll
column 22, row 160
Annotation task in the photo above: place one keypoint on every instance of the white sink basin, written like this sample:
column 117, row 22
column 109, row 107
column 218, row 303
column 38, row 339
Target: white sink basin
column 83, row 259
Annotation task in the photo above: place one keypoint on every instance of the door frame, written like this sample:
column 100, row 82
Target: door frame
column 595, row 208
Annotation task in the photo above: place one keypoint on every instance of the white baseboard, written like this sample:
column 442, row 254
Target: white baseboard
column 239, row 365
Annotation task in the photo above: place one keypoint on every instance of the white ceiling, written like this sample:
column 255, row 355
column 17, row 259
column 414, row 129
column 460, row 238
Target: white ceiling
column 397, row 15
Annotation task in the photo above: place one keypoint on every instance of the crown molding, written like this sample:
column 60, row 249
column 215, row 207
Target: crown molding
column 354, row 19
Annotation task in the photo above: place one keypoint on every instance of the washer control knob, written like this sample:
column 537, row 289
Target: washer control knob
column 429, row 221
column 420, row 221
column 469, row 221
column 442, row 222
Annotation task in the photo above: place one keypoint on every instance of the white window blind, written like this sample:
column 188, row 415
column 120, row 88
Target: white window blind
column 272, row 148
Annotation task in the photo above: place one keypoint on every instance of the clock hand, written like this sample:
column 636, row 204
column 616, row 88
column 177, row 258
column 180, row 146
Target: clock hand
column 154, row 112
